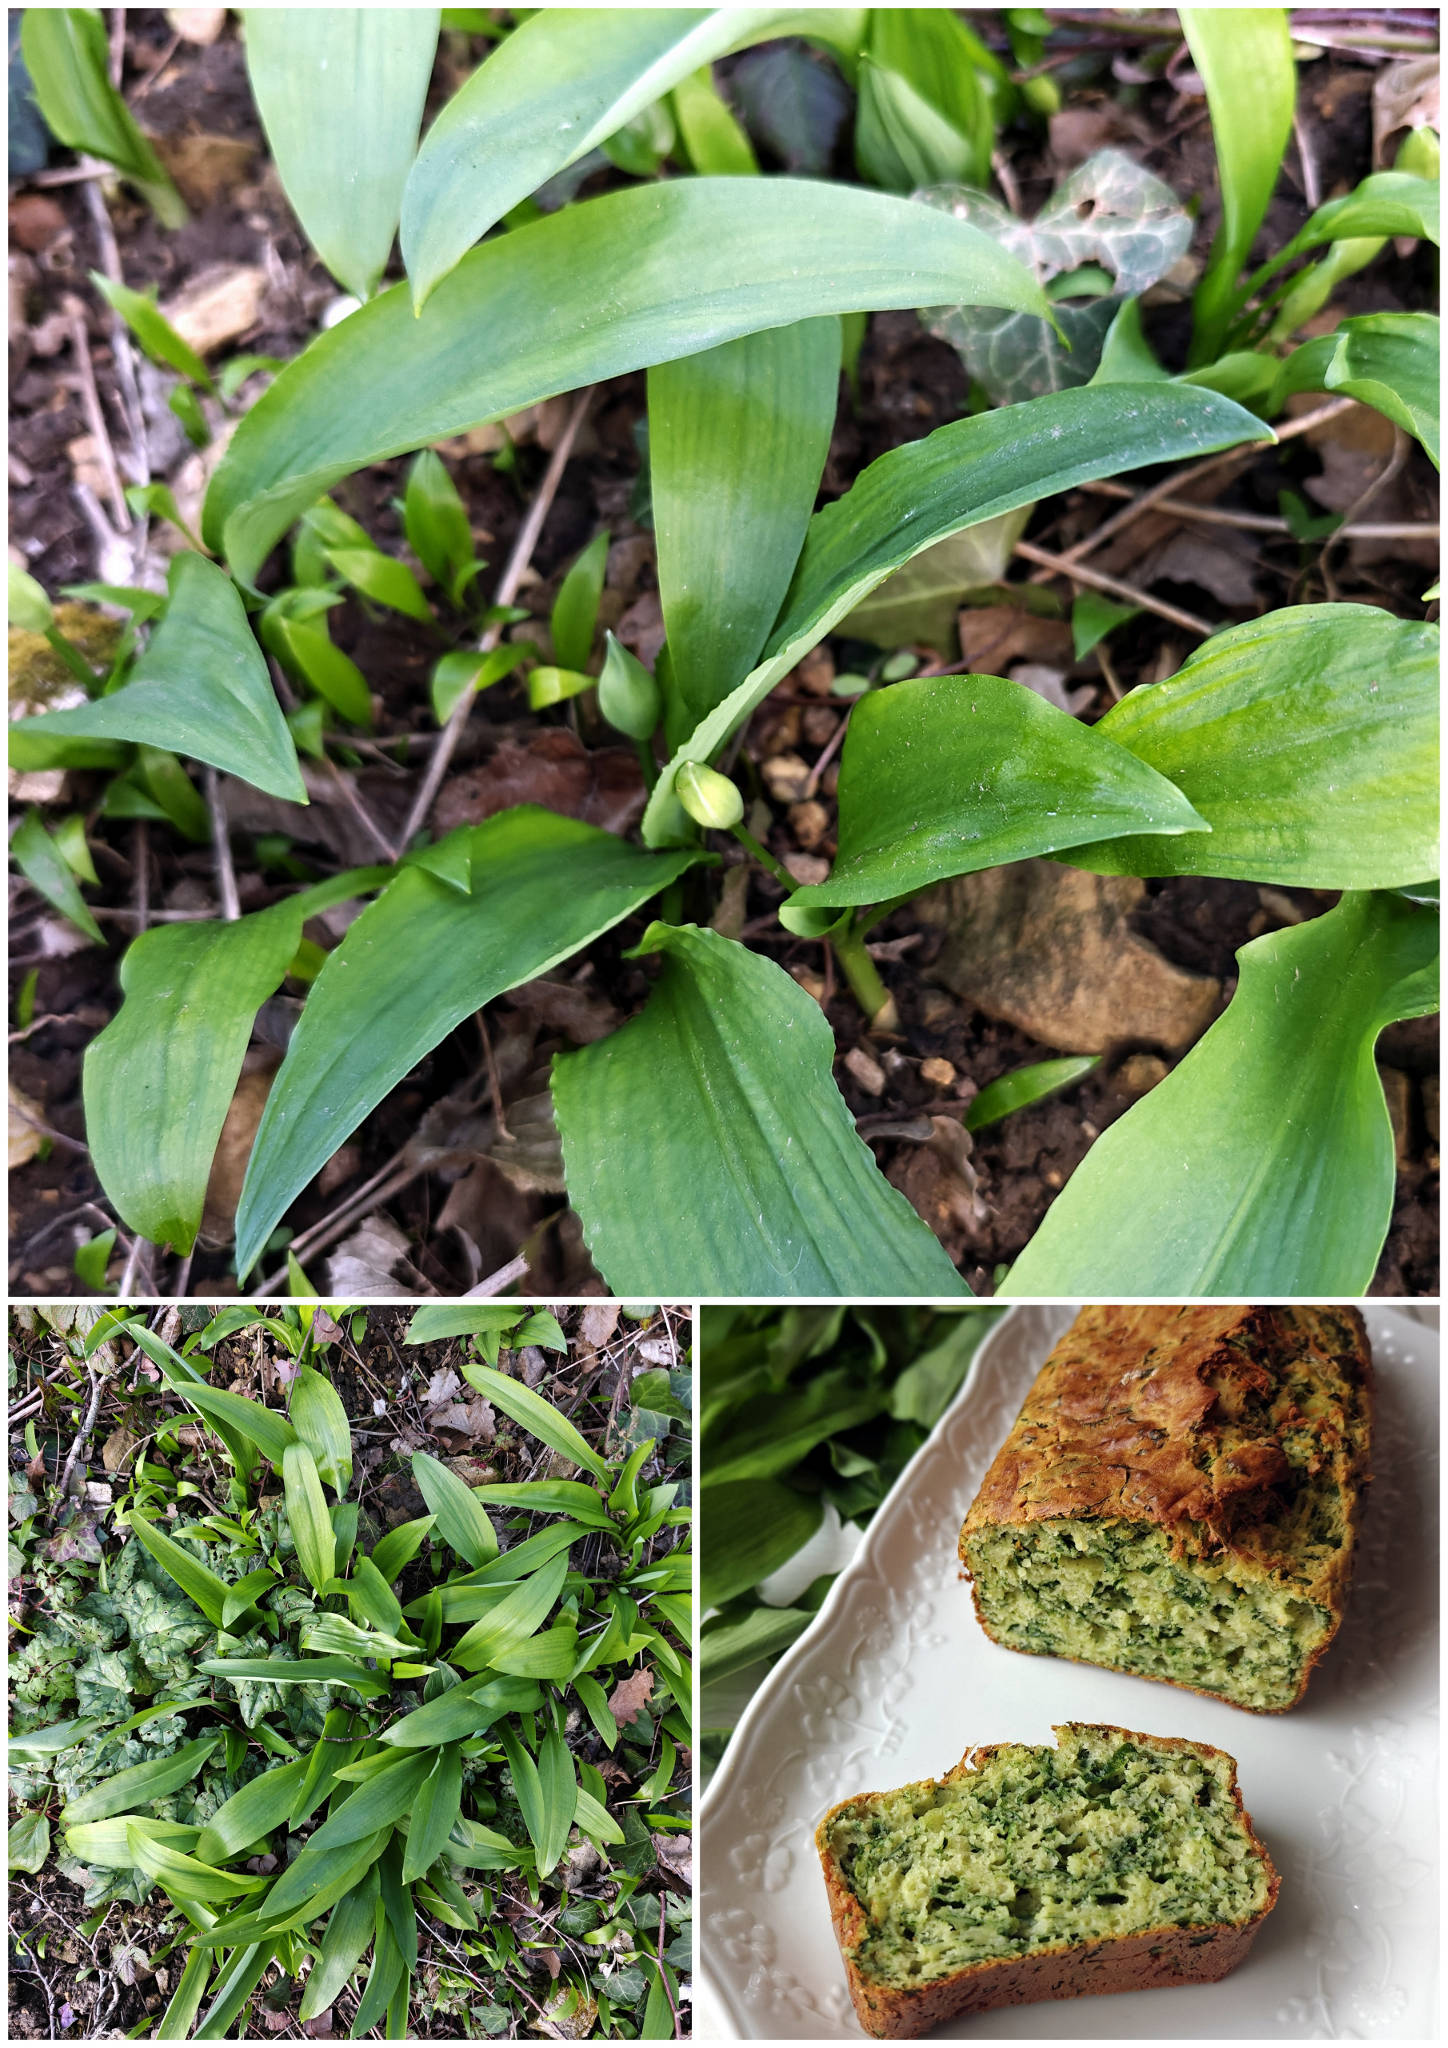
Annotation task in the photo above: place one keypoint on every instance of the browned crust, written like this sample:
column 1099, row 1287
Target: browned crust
column 1152, row 1960
column 1173, row 1418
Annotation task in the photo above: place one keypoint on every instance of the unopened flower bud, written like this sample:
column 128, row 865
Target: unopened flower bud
column 628, row 696
column 710, row 798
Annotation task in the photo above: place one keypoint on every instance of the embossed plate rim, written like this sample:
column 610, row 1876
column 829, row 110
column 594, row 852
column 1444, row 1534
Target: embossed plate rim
column 779, row 1731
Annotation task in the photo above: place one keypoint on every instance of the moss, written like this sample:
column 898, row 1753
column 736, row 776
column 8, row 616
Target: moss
column 1040, row 1847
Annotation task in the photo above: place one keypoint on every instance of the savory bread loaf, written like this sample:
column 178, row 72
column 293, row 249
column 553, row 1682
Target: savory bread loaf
column 1179, row 1496
column 1115, row 1862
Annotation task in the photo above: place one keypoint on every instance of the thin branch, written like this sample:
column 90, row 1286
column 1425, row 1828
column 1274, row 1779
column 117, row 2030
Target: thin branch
column 1260, row 522
column 836, row 741
column 1061, row 565
column 96, row 419
column 221, row 847
column 516, row 1269
column 507, row 590
column 83, row 1434
column 141, row 867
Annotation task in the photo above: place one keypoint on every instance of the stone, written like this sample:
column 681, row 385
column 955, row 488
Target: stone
column 868, row 1072
column 939, row 1073
column 1050, row 949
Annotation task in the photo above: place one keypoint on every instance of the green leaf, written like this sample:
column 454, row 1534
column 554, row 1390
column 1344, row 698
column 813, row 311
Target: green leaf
column 42, row 863
column 305, row 649
column 50, row 1741
column 439, row 1319
column 460, row 1520
column 467, row 668
column 565, row 81
column 320, row 1420
column 955, row 773
column 972, row 470
column 747, row 1531
column 199, row 687
column 377, row 1804
column 340, row 92
column 1307, row 739
column 541, row 1328
column 68, row 58
column 348, row 1932
column 196, row 1581
column 551, row 1655
column 435, row 521
column 779, row 1432
column 1025, row 1085
column 593, row 1818
column 159, row 1079
column 707, row 1139
column 713, row 141
column 539, row 1417
column 558, row 1782
column 417, row 962
column 1093, row 617
column 710, row 259
column 234, row 1983
column 374, row 1599
column 658, row 2020
column 382, row 1981
column 29, row 1842
column 303, row 1671
column 180, row 2015
column 1264, row 1162
column 272, row 1434
column 575, row 609
column 1244, row 58
column 107, row 1843
column 1391, row 361
column 307, row 1516
column 397, row 1903
column 1387, row 203
column 28, row 606
column 595, row 1702
column 244, row 1593
column 738, row 437
column 152, row 329
column 383, row 579
column 253, row 1812
column 438, row 1805
column 517, row 1616
column 183, row 1876
column 141, row 1782
column 324, row 1872
column 399, row 1546
column 464, row 1710
column 761, row 1634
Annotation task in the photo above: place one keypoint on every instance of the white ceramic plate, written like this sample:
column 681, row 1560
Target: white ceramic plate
column 896, row 1679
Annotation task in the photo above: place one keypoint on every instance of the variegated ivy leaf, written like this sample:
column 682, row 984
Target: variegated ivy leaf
column 1110, row 218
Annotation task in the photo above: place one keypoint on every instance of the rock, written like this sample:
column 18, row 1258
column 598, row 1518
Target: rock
column 868, row 1072
column 816, row 672
column 197, row 24
column 206, row 167
column 1141, row 1073
column 939, row 1073
column 1399, row 1092
column 807, row 868
column 218, row 305
column 810, row 823
column 1049, row 949
column 786, row 777
column 36, row 222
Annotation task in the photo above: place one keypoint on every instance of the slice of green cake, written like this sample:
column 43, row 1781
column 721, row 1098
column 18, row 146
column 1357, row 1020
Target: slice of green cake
column 1114, row 1862
column 1178, row 1497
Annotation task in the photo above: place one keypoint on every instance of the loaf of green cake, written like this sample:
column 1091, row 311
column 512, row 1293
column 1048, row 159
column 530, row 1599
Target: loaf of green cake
column 1179, row 1497
column 1114, row 1862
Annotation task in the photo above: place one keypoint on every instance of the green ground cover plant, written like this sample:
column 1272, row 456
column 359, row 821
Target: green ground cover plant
column 706, row 1145
column 316, row 1735
column 804, row 1413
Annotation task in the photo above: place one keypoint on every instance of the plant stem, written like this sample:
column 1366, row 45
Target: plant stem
column 765, row 858
column 71, row 655
column 648, row 764
column 862, row 974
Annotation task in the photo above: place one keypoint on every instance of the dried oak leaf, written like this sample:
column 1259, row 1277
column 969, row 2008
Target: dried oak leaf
column 630, row 1696
column 601, row 785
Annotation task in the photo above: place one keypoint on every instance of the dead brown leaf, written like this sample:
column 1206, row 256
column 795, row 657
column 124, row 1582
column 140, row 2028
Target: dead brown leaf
column 603, row 785
column 676, row 1855
column 206, row 167
column 630, row 1696
column 217, row 305
column 992, row 636
column 367, row 1263
column 940, row 1182
column 36, row 221
column 582, row 1016
column 233, row 1148
column 598, row 1323
column 117, row 1447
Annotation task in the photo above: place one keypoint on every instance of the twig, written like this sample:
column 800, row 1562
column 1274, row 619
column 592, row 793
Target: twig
column 393, row 1178
column 836, row 741
column 100, row 432
column 507, row 590
column 1165, row 486
column 1059, row 565
column 30, row 1402
column 141, row 863
column 516, row 1269
column 360, row 812
column 134, row 1260
column 123, row 353
column 1311, row 185
column 1108, row 671
column 221, row 847
column 36, row 1123
column 1384, row 476
column 83, row 1434
column 494, row 1085
column 39, row 1024
column 1260, row 522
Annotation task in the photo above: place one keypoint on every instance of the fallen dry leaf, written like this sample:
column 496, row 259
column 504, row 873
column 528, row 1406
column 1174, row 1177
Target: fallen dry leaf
column 676, row 1854
column 630, row 1696
column 367, row 1262
column 602, row 785
column 26, row 1138
column 579, row 1014
column 473, row 1422
column 233, row 1148
column 598, row 1323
